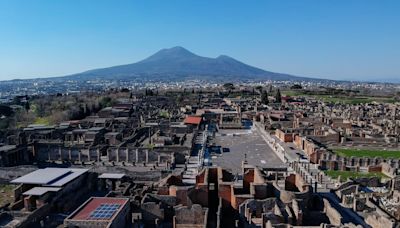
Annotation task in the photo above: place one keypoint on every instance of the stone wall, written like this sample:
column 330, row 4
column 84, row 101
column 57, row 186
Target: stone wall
column 333, row 215
column 258, row 209
column 376, row 221
column 151, row 211
column 283, row 136
column 181, row 193
column 187, row 217
column 396, row 183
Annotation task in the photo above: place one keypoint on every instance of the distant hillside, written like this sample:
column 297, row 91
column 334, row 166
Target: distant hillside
column 177, row 63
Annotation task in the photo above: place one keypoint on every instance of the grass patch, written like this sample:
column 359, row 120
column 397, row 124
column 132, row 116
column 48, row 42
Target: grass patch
column 367, row 153
column 164, row 114
column 150, row 146
column 6, row 194
column 353, row 100
column 42, row 120
column 293, row 93
column 345, row 100
column 344, row 175
column 340, row 98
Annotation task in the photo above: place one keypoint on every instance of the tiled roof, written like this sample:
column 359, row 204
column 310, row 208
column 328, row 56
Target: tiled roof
column 193, row 120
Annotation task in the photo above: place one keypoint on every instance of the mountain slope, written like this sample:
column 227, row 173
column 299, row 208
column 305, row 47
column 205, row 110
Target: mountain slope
column 177, row 63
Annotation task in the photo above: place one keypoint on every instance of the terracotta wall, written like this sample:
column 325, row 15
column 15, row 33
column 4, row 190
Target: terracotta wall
column 285, row 137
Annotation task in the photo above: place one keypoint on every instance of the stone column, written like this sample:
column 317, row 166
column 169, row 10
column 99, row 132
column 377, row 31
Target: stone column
column 172, row 160
column 137, row 155
column 247, row 213
column 113, row 185
column 127, row 155
column 89, row 157
column 98, row 154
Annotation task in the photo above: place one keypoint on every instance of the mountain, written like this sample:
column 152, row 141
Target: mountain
column 177, row 63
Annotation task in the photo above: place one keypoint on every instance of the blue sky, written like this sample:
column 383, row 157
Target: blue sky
column 342, row 39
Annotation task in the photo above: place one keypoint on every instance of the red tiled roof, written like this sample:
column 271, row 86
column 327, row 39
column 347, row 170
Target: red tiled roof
column 193, row 120
column 86, row 211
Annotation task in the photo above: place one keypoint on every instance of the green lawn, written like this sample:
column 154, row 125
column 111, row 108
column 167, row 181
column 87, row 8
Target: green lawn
column 293, row 93
column 340, row 98
column 42, row 120
column 344, row 175
column 367, row 153
column 6, row 194
column 354, row 100
column 164, row 114
column 345, row 100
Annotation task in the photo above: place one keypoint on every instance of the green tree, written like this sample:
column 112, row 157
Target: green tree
column 270, row 88
column 264, row 98
column 149, row 92
column 296, row 86
column 16, row 100
column 278, row 96
column 27, row 106
column 5, row 110
column 229, row 86
column 105, row 102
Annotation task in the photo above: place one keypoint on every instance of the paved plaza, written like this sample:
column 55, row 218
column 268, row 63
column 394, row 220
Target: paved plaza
column 236, row 143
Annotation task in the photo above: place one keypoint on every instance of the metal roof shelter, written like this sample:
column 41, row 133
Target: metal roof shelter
column 51, row 177
column 111, row 176
column 39, row 191
column 7, row 147
column 96, row 128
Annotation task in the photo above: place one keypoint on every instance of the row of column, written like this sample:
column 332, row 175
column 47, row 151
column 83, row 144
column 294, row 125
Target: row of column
column 98, row 155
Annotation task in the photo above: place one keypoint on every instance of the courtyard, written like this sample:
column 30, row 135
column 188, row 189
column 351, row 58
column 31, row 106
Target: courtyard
column 238, row 145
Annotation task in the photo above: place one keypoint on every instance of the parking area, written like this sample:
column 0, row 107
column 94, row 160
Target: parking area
column 236, row 144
